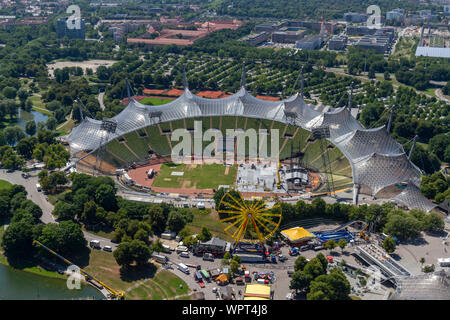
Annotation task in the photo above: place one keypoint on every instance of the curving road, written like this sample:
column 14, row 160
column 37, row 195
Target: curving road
column 42, row 201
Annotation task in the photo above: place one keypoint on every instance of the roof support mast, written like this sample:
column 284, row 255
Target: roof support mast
column 79, row 109
column 243, row 80
column 302, row 84
column 185, row 83
column 412, row 147
column 390, row 120
column 351, row 96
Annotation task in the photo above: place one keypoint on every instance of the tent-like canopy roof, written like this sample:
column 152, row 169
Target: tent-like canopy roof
column 377, row 161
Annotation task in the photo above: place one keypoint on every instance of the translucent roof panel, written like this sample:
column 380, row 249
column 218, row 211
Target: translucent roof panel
column 414, row 199
column 360, row 143
column 339, row 121
column 432, row 286
column 378, row 171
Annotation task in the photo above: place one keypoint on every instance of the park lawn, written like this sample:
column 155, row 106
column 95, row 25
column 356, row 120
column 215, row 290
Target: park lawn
column 5, row 184
column 66, row 127
column 210, row 220
column 208, row 176
column 137, row 285
column 155, row 101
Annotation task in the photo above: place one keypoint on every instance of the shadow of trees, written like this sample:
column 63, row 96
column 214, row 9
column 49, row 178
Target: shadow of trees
column 135, row 272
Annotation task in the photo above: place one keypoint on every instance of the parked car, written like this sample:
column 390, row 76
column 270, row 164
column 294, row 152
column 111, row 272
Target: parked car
column 184, row 254
column 282, row 258
column 107, row 248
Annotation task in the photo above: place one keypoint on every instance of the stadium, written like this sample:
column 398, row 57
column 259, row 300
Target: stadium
column 326, row 146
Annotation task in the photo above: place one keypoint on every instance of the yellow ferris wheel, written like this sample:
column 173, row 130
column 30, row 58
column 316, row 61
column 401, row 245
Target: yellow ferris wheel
column 248, row 220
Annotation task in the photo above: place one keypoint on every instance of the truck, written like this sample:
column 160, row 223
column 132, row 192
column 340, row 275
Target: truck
column 208, row 256
column 251, row 257
column 181, row 249
column 444, row 262
column 183, row 268
column 160, row 258
column 94, row 244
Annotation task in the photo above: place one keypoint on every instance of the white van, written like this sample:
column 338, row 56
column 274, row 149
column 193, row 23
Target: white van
column 184, row 254
column 201, row 206
column 38, row 187
column 181, row 249
column 183, row 268
column 95, row 244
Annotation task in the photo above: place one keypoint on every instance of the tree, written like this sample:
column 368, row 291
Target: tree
column 23, row 95
column 234, row 267
column 300, row 281
column 30, row 127
column 9, row 92
column 4, row 207
column 141, row 252
column 402, row 225
column 433, row 223
column 300, row 263
column 66, row 238
column 342, row 243
column 330, row 244
column 204, row 235
column 64, row 211
column 51, row 123
column 123, row 254
column 314, row 268
column 157, row 218
column 141, row 235
column 17, row 240
column 175, row 221
column 105, row 196
column 333, row 286
column 389, row 245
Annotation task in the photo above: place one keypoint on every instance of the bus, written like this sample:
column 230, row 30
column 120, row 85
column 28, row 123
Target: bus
column 183, row 268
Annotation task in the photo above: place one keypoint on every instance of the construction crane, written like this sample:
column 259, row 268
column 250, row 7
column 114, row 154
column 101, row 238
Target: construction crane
column 278, row 175
column 362, row 234
column 114, row 294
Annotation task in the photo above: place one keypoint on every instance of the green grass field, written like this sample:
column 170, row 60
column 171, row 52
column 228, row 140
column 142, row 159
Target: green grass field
column 210, row 220
column 142, row 284
column 155, row 101
column 200, row 177
column 5, row 184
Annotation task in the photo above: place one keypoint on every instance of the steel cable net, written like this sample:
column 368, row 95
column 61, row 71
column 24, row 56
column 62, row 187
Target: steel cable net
column 433, row 286
column 361, row 143
column 378, row 171
column 413, row 198
column 339, row 121
column 377, row 160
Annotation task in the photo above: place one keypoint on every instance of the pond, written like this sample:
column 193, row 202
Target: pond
column 20, row 285
column 25, row 116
